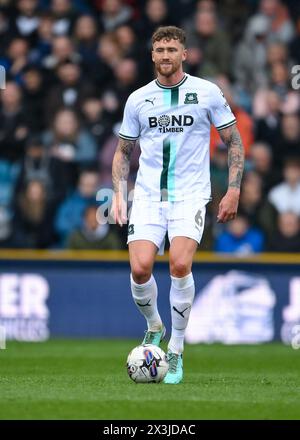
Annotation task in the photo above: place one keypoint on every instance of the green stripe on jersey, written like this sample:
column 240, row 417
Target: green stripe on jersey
column 171, row 173
column 167, row 179
column 165, row 171
column 174, row 97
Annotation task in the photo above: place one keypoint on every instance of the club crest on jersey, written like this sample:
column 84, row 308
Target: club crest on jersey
column 191, row 98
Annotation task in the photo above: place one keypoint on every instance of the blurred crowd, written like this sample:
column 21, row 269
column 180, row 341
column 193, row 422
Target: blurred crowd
column 70, row 66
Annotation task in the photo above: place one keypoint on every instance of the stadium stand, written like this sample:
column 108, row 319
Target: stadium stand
column 70, row 66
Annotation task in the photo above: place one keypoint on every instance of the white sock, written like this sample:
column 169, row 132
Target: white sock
column 145, row 297
column 181, row 299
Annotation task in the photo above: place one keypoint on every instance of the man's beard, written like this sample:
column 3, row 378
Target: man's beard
column 169, row 72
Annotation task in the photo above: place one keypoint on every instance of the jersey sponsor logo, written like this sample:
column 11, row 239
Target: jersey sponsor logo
column 164, row 120
column 131, row 229
column 191, row 98
column 170, row 123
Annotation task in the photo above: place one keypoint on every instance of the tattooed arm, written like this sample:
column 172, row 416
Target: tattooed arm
column 229, row 204
column 120, row 172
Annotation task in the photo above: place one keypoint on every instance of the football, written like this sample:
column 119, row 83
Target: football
column 147, row 364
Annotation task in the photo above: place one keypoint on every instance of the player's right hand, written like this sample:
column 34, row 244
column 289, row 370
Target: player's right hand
column 119, row 209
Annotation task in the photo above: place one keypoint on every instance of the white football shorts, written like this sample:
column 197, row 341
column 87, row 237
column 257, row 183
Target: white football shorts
column 151, row 220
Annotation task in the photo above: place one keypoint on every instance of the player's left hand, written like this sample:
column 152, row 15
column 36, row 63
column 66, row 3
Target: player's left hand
column 119, row 209
column 228, row 205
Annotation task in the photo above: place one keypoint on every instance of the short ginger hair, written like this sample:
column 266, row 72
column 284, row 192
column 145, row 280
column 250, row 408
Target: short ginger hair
column 169, row 33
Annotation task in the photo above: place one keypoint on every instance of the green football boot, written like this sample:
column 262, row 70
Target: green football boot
column 154, row 338
column 175, row 372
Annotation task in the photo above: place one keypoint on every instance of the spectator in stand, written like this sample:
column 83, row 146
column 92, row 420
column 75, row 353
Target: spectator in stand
column 82, row 6
column 280, row 68
column 7, row 30
column 86, row 37
column 295, row 44
column 155, row 14
column 62, row 50
column 282, row 132
column 286, row 196
column 71, row 211
column 289, row 139
column 233, row 17
column 287, row 237
column 132, row 48
column 38, row 164
column 281, row 26
column 34, row 97
column 128, row 42
column 16, row 59
column 188, row 20
column 255, row 206
column 261, row 161
column 68, row 141
column 250, row 57
column 277, row 53
column 244, row 121
column 43, row 46
column 195, row 55
column 33, row 218
column 9, row 174
column 127, row 79
column 14, row 124
column 113, row 13
column 92, row 234
column 70, row 147
column 109, row 49
column 206, row 6
column 183, row 11
column 240, row 238
column 125, row 72
column 219, row 173
column 109, row 53
column 70, row 90
column 213, row 43
column 35, row 166
column 280, row 79
column 26, row 19
column 64, row 15
column 293, row 7
column 96, row 119
column 111, row 105
column 268, row 118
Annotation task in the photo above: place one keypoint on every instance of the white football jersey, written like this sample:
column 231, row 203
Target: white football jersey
column 173, row 127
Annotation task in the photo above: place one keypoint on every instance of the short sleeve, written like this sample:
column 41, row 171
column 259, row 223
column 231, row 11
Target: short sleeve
column 130, row 127
column 220, row 113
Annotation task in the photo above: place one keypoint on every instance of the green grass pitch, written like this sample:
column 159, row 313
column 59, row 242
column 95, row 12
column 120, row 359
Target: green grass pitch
column 87, row 379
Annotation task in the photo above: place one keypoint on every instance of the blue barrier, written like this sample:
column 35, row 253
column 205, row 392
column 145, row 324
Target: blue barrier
column 48, row 297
